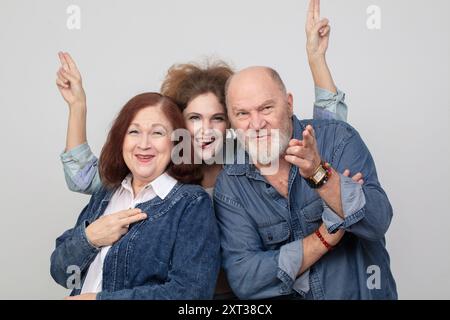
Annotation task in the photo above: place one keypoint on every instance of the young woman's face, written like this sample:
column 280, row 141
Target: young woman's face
column 147, row 145
column 207, row 122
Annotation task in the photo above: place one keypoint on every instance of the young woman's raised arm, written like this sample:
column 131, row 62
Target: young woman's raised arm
column 329, row 101
column 79, row 163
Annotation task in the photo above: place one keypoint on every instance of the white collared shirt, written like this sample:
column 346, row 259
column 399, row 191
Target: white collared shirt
column 123, row 199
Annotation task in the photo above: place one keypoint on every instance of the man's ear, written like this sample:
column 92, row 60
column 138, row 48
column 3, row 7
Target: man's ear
column 290, row 100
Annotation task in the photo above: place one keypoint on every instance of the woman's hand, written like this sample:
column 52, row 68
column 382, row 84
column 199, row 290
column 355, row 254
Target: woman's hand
column 358, row 178
column 317, row 38
column 317, row 32
column 107, row 230
column 69, row 82
column 333, row 239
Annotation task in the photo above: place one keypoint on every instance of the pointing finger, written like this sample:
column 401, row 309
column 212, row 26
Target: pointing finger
column 128, row 213
column 308, row 139
column 71, row 62
column 133, row 219
column 317, row 10
column 295, row 142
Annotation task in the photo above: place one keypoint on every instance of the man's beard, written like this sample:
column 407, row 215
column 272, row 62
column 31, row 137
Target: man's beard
column 268, row 150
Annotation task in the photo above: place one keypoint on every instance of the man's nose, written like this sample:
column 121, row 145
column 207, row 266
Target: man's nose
column 257, row 122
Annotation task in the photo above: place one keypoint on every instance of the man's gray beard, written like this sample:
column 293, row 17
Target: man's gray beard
column 260, row 154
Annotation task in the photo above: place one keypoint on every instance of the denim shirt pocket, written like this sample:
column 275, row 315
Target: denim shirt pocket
column 274, row 235
column 312, row 215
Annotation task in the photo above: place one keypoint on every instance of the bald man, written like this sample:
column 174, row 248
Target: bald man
column 303, row 231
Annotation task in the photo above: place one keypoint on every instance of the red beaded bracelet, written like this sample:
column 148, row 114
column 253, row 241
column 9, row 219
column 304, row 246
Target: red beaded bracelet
column 325, row 243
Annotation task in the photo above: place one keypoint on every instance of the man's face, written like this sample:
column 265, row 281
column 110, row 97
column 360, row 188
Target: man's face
column 261, row 113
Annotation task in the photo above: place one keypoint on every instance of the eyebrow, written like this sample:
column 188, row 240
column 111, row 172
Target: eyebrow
column 153, row 125
column 193, row 114
column 265, row 103
column 199, row 114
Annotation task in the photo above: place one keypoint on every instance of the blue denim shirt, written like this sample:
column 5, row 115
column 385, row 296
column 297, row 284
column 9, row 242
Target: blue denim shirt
column 262, row 232
column 173, row 254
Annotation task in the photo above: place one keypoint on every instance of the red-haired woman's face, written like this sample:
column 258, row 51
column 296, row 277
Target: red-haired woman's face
column 207, row 122
column 147, row 145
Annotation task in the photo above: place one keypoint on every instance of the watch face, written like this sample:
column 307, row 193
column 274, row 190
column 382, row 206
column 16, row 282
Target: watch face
column 319, row 175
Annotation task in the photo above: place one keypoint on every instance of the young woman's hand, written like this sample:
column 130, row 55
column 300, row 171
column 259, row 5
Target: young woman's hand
column 333, row 239
column 358, row 178
column 107, row 230
column 68, row 80
column 317, row 32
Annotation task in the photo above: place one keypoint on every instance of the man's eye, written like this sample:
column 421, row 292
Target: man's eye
column 239, row 114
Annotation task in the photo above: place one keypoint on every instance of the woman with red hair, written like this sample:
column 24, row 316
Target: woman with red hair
column 166, row 246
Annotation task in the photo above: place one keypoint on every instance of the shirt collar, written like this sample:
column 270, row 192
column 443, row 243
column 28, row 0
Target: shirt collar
column 161, row 185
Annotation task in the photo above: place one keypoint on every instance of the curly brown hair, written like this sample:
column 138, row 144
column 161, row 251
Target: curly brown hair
column 185, row 82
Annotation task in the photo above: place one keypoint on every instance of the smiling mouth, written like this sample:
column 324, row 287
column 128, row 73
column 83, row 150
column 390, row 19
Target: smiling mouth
column 144, row 158
column 206, row 144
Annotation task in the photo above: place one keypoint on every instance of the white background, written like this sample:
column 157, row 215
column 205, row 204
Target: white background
column 396, row 80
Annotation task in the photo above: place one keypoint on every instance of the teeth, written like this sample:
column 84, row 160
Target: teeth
column 212, row 139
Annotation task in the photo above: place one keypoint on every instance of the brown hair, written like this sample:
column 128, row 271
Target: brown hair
column 184, row 82
column 112, row 166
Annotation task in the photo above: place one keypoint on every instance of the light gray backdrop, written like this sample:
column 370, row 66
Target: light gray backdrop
column 396, row 80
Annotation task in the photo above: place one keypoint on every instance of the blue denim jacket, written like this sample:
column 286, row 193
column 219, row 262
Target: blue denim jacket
column 173, row 254
column 262, row 232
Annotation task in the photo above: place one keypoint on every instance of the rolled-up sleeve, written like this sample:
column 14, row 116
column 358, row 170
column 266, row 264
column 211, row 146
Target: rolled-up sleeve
column 367, row 210
column 254, row 272
column 353, row 201
column 289, row 263
column 329, row 105
column 73, row 248
column 81, row 169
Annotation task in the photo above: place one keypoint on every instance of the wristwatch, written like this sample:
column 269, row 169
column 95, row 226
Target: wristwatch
column 320, row 176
